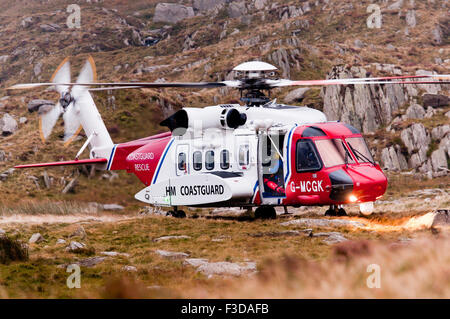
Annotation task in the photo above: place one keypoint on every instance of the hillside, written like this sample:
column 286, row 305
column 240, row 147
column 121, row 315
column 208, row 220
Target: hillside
column 203, row 40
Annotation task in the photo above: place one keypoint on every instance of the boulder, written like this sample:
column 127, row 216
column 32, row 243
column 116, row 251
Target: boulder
column 195, row 262
column 90, row 262
column 172, row 12
column 435, row 100
column 8, row 125
column 393, row 160
column 171, row 254
column 359, row 44
column 330, row 237
column 440, row 132
column 260, row 4
column 296, row 95
column 397, row 5
column 26, row 22
column 439, row 160
column 129, row 268
column 316, row 222
column 4, row 58
column 75, row 246
column 70, row 186
column 437, row 35
column 35, row 105
column 415, row 111
column 411, row 18
column 50, row 27
column 163, row 238
column 4, row 176
column 60, row 241
column 237, row 9
column 207, row 5
column 114, row 254
column 429, row 88
column 226, row 268
column 79, row 232
column 36, row 238
column 417, row 142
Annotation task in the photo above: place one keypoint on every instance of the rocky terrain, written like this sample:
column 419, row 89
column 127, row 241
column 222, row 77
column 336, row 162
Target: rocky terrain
column 68, row 215
column 407, row 126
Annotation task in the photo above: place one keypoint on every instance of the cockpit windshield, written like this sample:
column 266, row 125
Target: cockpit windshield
column 333, row 152
column 359, row 147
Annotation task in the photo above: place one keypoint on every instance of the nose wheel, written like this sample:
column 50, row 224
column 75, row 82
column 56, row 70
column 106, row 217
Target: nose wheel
column 336, row 210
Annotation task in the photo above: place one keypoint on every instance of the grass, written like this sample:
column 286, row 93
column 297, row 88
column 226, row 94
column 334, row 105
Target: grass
column 12, row 250
column 285, row 263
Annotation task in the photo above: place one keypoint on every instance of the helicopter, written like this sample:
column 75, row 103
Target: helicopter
column 260, row 154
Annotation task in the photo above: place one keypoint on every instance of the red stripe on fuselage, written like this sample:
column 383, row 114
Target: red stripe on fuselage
column 119, row 160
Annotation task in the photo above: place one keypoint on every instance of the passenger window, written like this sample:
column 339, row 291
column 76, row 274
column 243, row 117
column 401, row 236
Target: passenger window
column 197, row 160
column 209, row 160
column 224, row 159
column 182, row 161
column 306, row 157
column 244, row 155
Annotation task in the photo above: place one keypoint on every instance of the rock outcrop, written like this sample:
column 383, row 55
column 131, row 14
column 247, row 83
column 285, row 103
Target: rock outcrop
column 172, row 12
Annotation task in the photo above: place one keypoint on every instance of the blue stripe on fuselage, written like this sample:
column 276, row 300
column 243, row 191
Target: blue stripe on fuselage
column 111, row 157
column 162, row 160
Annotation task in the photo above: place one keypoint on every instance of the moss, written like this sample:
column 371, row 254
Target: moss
column 434, row 145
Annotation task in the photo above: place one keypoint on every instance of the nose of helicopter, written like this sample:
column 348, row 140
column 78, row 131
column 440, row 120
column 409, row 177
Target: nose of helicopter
column 369, row 183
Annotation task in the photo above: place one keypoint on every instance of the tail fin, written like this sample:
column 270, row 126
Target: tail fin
column 82, row 110
column 79, row 111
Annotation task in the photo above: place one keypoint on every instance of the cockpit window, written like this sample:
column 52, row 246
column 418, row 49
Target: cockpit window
column 333, row 152
column 359, row 147
column 306, row 157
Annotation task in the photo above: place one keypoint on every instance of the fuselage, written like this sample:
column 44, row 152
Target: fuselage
column 326, row 163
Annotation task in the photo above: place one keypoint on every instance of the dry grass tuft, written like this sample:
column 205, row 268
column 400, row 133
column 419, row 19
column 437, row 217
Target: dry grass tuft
column 12, row 250
column 47, row 207
column 416, row 270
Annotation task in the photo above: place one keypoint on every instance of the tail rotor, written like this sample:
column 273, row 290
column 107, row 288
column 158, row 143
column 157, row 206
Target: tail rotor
column 69, row 103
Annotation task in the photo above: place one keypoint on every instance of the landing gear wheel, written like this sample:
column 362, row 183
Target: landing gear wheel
column 176, row 213
column 341, row 212
column 330, row 212
column 334, row 211
column 180, row 214
column 265, row 212
column 170, row 213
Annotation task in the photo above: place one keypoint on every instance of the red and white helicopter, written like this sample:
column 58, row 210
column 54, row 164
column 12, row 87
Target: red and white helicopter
column 261, row 154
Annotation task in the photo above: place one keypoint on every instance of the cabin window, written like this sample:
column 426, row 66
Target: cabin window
column 182, row 161
column 306, row 157
column 359, row 148
column 244, row 155
column 197, row 160
column 334, row 152
column 225, row 159
column 209, row 160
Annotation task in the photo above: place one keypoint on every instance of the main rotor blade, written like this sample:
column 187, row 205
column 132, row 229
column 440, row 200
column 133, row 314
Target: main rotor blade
column 378, row 80
column 134, row 84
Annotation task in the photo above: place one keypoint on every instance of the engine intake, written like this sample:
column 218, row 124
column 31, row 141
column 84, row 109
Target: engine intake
column 211, row 117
